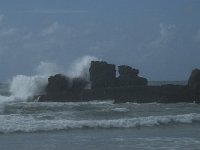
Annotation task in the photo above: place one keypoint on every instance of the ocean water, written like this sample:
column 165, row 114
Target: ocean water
column 98, row 125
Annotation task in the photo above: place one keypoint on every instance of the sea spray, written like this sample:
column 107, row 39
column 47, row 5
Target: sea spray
column 46, row 68
column 80, row 67
column 23, row 87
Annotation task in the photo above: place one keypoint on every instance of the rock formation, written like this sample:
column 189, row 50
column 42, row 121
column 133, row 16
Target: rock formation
column 61, row 83
column 194, row 83
column 102, row 74
column 129, row 77
column 194, row 79
column 58, row 84
column 79, row 83
column 128, row 87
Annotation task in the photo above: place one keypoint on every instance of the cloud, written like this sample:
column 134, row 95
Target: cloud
column 27, row 36
column 166, row 33
column 159, row 47
column 1, row 18
column 7, row 32
column 101, row 46
column 197, row 36
column 51, row 29
column 56, row 11
column 167, row 30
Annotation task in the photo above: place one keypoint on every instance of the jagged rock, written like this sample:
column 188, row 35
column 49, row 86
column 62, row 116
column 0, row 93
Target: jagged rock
column 79, row 83
column 194, row 84
column 57, row 84
column 102, row 74
column 129, row 77
column 194, row 79
column 60, row 83
column 127, row 71
column 128, row 87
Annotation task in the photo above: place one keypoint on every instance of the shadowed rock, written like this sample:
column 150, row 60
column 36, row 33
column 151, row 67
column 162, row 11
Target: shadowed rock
column 194, row 79
column 127, row 71
column 79, row 83
column 194, row 84
column 57, row 84
column 128, row 87
column 60, row 83
column 129, row 77
column 102, row 74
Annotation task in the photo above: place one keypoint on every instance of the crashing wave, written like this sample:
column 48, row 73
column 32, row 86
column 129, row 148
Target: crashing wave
column 18, row 123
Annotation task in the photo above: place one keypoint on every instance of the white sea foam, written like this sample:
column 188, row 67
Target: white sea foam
column 23, row 87
column 28, row 123
column 48, row 68
column 80, row 67
column 120, row 109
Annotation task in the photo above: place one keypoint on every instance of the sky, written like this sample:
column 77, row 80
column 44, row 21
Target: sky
column 160, row 38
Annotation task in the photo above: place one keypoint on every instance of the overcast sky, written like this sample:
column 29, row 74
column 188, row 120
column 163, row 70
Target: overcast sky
column 161, row 38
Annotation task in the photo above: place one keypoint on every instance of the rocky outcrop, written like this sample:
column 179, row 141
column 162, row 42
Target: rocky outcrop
column 194, row 84
column 58, row 84
column 128, row 87
column 61, row 83
column 194, row 79
column 102, row 74
column 129, row 77
column 79, row 83
column 128, row 71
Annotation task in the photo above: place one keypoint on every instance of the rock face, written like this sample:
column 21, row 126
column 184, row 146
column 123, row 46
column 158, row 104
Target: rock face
column 79, row 83
column 194, row 79
column 194, row 83
column 60, row 83
column 102, row 74
column 128, row 87
column 129, row 77
column 57, row 84
column 127, row 71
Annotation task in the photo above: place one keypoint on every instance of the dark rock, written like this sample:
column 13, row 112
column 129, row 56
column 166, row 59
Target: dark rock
column 79, row 83
column 102, row 74
column 194, row 79
column 194, row 84
column 129, row 77
column 58, row 83
column 128, row 87
column 127, row 71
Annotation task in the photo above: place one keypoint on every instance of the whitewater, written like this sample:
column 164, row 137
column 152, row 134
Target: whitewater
column 28, row 124
column 99, row 125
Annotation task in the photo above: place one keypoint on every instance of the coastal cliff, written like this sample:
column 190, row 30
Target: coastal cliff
column 127, row 87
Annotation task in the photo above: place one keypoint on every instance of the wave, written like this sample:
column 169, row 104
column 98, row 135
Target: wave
column 28, row 123
column 22, row 87
column 120, row 109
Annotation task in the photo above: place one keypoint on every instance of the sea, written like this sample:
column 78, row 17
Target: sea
column 96, row 125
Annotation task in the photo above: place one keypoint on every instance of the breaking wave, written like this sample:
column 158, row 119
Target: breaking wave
column 18, row 123
column 22, row 87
